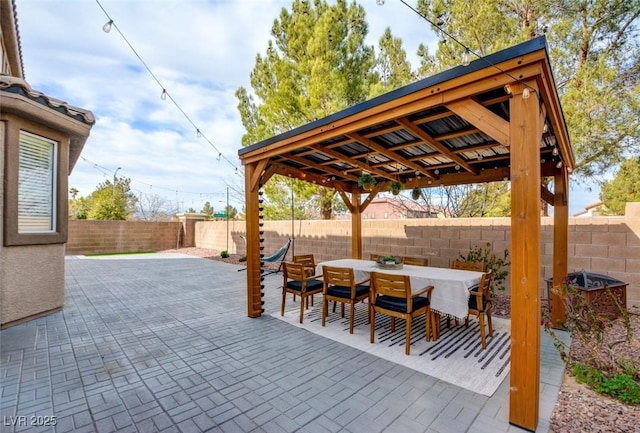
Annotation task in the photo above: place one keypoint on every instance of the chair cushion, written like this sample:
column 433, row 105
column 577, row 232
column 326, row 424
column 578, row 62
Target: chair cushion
column 312, row 285
column 473, row 303
column 400, row 304
column 345, row 291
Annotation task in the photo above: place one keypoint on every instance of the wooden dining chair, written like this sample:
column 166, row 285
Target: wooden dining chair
column 391, row 295
column 340, row 286
column 309, row 263
column 417, row 261
column 480, row 306
column 297, row 282
column 468, row 266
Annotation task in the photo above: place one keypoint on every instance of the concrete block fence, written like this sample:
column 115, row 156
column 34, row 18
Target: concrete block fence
column 606, row 245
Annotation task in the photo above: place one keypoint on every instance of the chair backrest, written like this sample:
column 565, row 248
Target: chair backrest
column 416, row 261
column 468, row 266
column 485, row 285
column 397, row 286
column 293, row 271
column 336, row 276
column 307, row 260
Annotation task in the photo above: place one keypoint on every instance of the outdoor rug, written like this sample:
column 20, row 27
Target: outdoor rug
column 457, row 357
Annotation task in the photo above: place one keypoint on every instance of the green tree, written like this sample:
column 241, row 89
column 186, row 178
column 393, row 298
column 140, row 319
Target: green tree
column 595, row 52
column 231, row 211
column 487, row 200
column 112, row 201
column 624, row 188
column 392, row 66
column 207, row 209
column 316, row 64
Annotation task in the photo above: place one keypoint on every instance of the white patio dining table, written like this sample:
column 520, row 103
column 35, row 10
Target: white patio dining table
column 450, row 296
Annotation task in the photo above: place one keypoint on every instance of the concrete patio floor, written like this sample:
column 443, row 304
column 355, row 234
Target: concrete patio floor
column 158, row 344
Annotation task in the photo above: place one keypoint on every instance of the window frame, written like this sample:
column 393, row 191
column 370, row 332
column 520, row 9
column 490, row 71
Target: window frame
column 12, row 237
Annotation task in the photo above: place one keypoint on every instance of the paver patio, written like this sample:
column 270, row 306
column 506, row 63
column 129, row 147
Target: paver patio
column 150, row 344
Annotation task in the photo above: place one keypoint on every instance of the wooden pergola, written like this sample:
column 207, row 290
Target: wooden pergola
column 497, row 118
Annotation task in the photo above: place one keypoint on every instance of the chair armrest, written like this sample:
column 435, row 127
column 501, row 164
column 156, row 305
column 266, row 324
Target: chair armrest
column 314, row 277
column 422, row 291
column 360, row 283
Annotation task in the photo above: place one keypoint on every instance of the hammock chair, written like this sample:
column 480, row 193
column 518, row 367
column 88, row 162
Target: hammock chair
column 280, row 254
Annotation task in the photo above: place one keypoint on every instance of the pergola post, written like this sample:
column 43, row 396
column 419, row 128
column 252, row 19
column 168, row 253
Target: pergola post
column 525, row 133
column 356, row 227
column 560, row 244
column 252, row 187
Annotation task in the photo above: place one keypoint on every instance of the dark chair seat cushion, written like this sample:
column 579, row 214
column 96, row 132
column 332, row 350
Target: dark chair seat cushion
column 400, row 304
column 312, row 285
column 473, row 303
column 345, row 291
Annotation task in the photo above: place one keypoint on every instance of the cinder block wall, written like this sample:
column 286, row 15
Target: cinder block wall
column 104, row 237
column 606, row 245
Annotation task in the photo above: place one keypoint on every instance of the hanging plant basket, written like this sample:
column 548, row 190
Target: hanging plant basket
column 395, row 187
column 416, row 193
column 367, row 182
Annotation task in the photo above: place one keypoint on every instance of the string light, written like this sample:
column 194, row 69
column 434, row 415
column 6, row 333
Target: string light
column 164, row 95
column 526, row 92
column 107, row 26
column 466, row 57
column 467, row 51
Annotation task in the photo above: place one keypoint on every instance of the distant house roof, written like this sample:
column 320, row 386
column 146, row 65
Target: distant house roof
column 589, row 210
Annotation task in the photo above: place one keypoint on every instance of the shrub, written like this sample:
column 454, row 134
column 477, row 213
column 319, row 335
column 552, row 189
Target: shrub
column 599, row 368
column 224, row 254
column 497, row 265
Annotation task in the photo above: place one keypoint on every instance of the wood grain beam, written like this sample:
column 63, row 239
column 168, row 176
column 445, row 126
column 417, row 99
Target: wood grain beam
column 482, row 118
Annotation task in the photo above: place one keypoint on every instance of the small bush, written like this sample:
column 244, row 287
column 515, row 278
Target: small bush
column 224, row 254
column 619, row 386
column 497, row 265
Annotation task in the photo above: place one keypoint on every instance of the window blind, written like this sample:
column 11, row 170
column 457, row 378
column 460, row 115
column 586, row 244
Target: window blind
column 36, row 184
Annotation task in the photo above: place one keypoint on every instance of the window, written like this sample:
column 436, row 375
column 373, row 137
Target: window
column 36, row 184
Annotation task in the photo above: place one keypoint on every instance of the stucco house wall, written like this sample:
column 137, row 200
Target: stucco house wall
column 32, row 263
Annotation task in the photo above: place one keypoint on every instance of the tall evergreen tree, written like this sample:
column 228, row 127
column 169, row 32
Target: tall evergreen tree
column 624, row 188
column 595, row 52
column 315, row 64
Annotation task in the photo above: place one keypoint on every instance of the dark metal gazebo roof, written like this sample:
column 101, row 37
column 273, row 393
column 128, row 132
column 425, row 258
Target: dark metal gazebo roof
column 438, row 145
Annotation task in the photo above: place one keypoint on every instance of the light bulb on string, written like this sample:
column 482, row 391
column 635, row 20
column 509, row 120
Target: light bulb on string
column 380, row 2
column 198, row 133
column 466, row 57
column 107, row 26
column 163, row 95
column 219, row 156
column 554, row 152
column 526, row 92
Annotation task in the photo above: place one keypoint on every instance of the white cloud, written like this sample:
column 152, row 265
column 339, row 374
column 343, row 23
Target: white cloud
column 200, row 51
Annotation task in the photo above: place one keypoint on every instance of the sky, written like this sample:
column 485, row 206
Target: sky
column 201, row 52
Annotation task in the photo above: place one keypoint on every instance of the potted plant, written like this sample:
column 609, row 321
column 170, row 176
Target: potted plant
column 367, row 182
column 395, row 187
column 416, row 192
